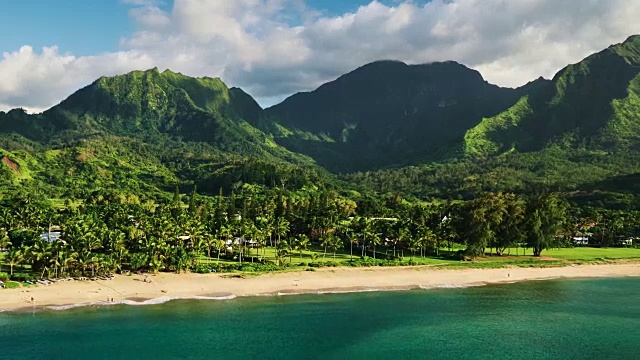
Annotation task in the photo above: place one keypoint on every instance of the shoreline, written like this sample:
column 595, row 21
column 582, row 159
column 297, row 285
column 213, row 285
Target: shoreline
column 133, row 291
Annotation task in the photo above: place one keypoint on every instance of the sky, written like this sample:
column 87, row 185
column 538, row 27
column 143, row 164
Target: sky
column 274, row 48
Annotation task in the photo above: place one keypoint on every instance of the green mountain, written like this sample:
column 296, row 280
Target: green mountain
column 149, row 105
column 146, row 130
column 389, row 113
column 571, row 133
column 593, row 105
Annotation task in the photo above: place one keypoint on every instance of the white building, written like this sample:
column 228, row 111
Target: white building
column 580, row 240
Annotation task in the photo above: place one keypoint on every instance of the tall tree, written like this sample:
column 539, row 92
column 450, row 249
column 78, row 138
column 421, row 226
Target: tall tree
column 546, row 214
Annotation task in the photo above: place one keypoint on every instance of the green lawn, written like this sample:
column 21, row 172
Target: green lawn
column 591, row 254
column 518, row 257
column 552, row 257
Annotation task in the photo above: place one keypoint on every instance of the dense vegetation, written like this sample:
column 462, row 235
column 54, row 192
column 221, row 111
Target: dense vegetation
column 259, row 228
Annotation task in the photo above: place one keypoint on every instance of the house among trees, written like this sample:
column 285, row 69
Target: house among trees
column 625, row 241
column 581, row 239
column 54, row 234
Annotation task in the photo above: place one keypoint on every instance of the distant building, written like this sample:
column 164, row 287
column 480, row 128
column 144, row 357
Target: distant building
column 235, row 241
column 625, row 241
column 51, row 236
column 581, row 239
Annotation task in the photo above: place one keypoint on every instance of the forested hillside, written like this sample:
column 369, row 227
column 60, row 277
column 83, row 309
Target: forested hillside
column 570, row 134
column 389, row 113
column 145, row 132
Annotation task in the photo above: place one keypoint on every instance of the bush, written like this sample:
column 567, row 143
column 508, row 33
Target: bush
column 11, row 285
column 21, row 277
column 4, row 276
column 202, row 270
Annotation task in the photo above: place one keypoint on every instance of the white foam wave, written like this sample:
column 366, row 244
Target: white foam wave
column 450, row 286
column 154, row 301
column 349, row 291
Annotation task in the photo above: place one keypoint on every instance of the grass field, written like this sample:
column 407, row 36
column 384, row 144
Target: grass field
column 552, row 257
column 592, row 254
column 517, row 257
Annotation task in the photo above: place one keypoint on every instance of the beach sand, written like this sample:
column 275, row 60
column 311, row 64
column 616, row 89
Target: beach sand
column 133, row 290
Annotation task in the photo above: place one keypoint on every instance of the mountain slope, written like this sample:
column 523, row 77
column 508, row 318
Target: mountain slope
column 592, row 105
column 168, row 128
column 580, row 131
column 151, row 105
column 389, row 113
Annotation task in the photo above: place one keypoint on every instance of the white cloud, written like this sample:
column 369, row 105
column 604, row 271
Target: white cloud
column 35, row 81
column 249, row 43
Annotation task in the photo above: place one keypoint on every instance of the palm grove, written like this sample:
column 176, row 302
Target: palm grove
column 264, row 229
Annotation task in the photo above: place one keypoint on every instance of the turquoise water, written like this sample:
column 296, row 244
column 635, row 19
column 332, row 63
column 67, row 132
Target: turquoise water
column 564, row 319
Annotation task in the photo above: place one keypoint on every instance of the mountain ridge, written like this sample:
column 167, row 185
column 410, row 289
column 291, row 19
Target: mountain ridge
column 383, row 109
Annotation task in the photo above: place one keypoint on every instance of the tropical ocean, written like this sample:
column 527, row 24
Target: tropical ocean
column 555, row 319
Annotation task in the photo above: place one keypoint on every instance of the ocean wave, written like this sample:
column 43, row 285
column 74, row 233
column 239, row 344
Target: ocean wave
column 451, row 286
column 153, row 301
column 340, row 291
column 380, row 289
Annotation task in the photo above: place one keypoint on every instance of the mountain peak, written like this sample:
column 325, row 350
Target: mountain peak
column 391, row 110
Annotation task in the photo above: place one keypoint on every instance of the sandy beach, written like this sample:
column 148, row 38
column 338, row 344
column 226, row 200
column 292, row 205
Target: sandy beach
column 134, row 290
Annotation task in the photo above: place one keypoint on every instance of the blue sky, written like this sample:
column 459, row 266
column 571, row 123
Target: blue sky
column 80, row 26
column 51, row 48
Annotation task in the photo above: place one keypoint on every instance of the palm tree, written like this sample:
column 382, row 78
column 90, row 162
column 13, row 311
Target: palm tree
column 262, row 242
column 282, row 251
column 54, row 261
column 351, row 236
column 40, row 254
column 325, row 241
column 281, row 228
column 302, row 243
column 14, row 257
column 336, row 244
column 4, row 242
column 4, row 239
column 220, row 245
column 375, row 241
column 414, row 244
column 366, row 225
column 138, row 261
column 83, row 259
column 403, row 237
column 66, row 259
column 210, row 241
column 155, row 263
